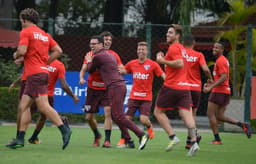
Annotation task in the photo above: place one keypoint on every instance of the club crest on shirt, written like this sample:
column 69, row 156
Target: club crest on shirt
column 146, row 67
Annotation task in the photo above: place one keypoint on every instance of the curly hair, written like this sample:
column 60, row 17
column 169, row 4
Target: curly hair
column 30, row 14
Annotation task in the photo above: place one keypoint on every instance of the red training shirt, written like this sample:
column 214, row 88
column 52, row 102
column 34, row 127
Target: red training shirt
column 143, row 75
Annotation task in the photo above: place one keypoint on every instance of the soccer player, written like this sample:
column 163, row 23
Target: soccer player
column 175, row 92
column 106, row 63
column 220, row 95
column 34, row 46
column 56, row 72
column 196, row 62
column 143, row 71
column 96, row 94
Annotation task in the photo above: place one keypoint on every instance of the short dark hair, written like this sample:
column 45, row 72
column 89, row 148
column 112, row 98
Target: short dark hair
column 188, row 40
column 177, row 28
column 222, row 43
column 142, row 44
column 106, row 33
column 99, row 38
column 30, row 14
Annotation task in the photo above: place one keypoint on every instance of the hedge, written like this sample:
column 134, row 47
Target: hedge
column 9, row 106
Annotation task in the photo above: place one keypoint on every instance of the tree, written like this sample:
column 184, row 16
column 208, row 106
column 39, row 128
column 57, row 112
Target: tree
column 237, row 16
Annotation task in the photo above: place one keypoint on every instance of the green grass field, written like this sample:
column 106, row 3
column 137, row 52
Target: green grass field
column 237, row 149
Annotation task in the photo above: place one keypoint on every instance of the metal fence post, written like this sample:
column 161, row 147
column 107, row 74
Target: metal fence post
column 148, row 37
column 248, row 75
column 50, row 26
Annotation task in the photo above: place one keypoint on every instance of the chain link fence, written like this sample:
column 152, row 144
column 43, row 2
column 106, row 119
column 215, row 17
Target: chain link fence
column 74, row 37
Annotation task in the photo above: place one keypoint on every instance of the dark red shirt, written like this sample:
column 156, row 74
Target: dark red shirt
column 106, row 63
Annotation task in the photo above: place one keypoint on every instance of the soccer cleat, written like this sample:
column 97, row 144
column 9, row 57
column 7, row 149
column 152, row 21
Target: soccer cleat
column 215, row 142
column 96, row 142
column 198, row 139
column 121, row 143
column 130, row 144
column 194, row 148
column 189, row 144
column 106, row 144
column 175, row 141
column 15, row 143
column 150, row 132
column 247, row 129
column 66, row 138
column 34, row 141
column 143, row 141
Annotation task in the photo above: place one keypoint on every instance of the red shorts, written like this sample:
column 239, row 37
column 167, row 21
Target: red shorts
column 195, row 96
column 95, row 99
column 219, row 98
column 36, row 85
column 22, row 87
column 169, row 99
column 141, row 105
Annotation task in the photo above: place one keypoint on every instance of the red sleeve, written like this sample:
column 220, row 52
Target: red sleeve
column 52, row 42
column 128, row 67
column 24, row 38
column 223, row 66
column 202, row 60
column 62, row 71
column 173, row 53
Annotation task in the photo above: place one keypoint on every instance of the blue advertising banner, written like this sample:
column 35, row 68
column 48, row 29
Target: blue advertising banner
column 63, row 103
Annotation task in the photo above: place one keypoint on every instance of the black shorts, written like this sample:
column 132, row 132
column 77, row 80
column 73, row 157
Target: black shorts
column 95, row 99
column 36, row 85
column 169, row 99
column 141, row 105
column 219, row 98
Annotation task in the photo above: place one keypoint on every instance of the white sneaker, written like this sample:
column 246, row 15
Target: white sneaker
column 175, row 141
column 143, row 141
column 194, row 148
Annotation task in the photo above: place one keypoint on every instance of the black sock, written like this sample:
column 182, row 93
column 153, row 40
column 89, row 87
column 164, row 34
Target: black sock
column 96, row 133
column 62, row 128
column 17, row 132
column 107, row 135
column 35, row 134
column 21, row 135
column 188, row 139
column 239, row 124
column 217, row 137
column 172, row 137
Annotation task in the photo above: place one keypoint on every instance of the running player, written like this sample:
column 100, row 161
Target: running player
column 220, row 95
column 196, row 62
column 143, row 71
column 34, row 46
column 175, row 92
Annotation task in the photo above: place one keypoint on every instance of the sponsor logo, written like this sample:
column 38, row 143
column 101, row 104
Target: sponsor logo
column 189, row 58
column 142, row 76
column 146, row 67
column 39, row 36
column 140, row 94
column 51, row 69
column 76, row 90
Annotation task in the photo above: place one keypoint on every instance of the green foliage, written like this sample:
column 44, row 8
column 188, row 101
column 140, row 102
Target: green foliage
column 8, row 104
column 237, row 39
column 9, row 72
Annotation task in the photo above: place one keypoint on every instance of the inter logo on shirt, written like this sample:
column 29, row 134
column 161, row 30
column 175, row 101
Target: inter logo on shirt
column 39, row 36
column 146, row 67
